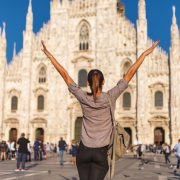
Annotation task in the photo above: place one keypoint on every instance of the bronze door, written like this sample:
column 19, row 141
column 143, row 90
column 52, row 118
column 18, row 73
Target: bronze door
column 39, row 134
column 159, row 136
column 13, row 134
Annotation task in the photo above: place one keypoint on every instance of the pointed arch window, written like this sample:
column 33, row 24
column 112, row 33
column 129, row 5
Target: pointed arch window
column 40, row 103
column 78, row 126
column 42, row 75
column 126, row 100
column 14, row 103
column 158, row 99
column 84, row 38
column 82, row 78
column 126, row 67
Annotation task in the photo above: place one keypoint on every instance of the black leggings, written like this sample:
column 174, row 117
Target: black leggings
column 92, row 163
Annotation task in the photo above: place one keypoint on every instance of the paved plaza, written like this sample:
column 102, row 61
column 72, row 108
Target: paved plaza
column 126, row 169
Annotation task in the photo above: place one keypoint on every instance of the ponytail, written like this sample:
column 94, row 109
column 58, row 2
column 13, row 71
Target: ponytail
column 95, row 79
column 95, row 85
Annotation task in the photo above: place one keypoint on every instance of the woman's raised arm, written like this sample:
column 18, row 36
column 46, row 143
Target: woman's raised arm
column 58, row 67
column 133, row 69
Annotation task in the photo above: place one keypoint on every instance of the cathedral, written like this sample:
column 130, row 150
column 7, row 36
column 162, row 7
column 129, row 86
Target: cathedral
column 86, row 34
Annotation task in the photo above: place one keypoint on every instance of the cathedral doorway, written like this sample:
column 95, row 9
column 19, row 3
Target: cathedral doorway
column 129, row 131
column 13, row 134
column 78, row 126
column 159, row 136
column 39, row 134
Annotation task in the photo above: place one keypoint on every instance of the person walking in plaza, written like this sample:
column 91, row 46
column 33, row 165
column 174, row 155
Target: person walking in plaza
column 8, row 150
column 28, row 158
column 177, row 153
column 36, row 149
column 55, row 150
column 167, row 153
column 62, row 147
column 3, row 150
column 22, row 144
column 74, row 149
column 40, row 150
column 92, row 158
column 13, row 150
column 48, row 150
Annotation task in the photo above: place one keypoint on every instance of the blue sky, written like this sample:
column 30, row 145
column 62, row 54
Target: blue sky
column 13, row 12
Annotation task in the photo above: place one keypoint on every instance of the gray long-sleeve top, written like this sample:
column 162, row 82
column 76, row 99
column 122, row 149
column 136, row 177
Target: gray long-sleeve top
column 97, row 123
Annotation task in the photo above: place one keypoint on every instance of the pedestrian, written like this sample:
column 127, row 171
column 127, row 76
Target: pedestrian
column 74, row 149
column 22, row 144
column 167, row 153
column 8, row 150
column 28, row 159
column 55, row 150
column 36, row 148
column 141, row 154
column 62, row 147
column 40, row 150
column 3, row 150
column 13, row 149
column 92, row 158
column 134, row 149
column 177, row 153
column 48, row 150
column 44, row 152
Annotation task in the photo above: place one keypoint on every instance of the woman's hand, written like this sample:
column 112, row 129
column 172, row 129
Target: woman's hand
column 151, row 49
column 57, row 65
column 48, row 54
column 133, row 69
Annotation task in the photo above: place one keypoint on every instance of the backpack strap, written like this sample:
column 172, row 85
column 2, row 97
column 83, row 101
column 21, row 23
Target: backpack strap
column 112, row 148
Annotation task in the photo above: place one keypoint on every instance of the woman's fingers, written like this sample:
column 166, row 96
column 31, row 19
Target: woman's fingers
column 42, row 42
column 155, row 43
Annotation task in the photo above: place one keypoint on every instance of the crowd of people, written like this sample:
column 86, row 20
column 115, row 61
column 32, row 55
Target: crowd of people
column 7, row 150
column 22, row 150
column 165, row 149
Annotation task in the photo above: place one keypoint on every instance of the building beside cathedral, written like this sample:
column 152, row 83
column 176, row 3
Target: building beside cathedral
column 86, row 34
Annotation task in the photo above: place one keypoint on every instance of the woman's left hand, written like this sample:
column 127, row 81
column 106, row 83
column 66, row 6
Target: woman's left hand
column 151, row 49
column 48, row 54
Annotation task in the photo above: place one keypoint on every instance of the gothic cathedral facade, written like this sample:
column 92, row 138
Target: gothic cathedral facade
column 86, row 34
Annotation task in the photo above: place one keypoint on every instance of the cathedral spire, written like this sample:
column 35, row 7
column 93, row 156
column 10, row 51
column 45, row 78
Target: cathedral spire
column 4, row 30
column 3, row 44
column 174, row 30
column 3, row 35
column 142, row 10
column 141, row 25
column 29, row 17
column 14, row 50
column 27, row 34
column 174, row 15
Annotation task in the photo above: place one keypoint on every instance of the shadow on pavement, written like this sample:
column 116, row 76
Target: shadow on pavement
column 31, row 166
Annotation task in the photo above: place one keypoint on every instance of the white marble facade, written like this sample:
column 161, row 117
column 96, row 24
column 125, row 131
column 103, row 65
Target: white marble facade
column 86, row 34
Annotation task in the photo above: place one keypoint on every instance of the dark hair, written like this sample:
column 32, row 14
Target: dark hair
column 22, row 134
column 95, row 80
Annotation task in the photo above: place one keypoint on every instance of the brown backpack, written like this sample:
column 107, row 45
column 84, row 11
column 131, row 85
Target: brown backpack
column 119, row 143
